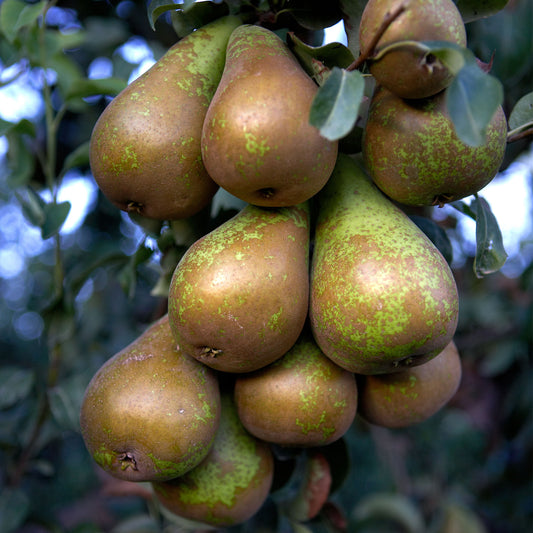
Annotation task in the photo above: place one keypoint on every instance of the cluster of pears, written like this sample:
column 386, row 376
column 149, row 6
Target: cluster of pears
column 318, row 302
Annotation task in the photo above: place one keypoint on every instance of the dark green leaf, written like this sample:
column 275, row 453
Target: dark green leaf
column 471, row 100
column 352, row 10
column 475, row 9
column 522, row 113
column 55, row 216
column 490, row 253
column 83, row 88
column 14, row 508
column 77, row 158
column 184, row 21
column 65, row 401
column 15, row 384
column 449, row 54
column 29, row 15
column 21, row 163
column 156, row 8
column 436, row 235
column 33, row 207
column 326, row 57
column 336, row 105
column 464, row 208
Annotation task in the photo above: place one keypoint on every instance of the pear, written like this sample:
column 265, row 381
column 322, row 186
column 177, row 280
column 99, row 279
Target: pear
column 403, row 399
column 415, row 157
column 232, row 482
column 257, row 142
column 150, row 412
column 303, row 399
column 405, row 69
column 238, row 298
column 145, row 147
column 382, row 296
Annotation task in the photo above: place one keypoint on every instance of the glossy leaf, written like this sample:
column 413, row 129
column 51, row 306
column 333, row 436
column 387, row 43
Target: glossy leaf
column 336, row 105
column 471, row 100
column 490, row 252
column 156, row 8
column 475, row 9
column 15, row 385
column 198, row 15
column 55, row 216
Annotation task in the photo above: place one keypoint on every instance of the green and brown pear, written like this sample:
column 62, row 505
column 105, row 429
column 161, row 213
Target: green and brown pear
column 408, row 70
column 238, row 298
column 406, row 398
column 414, row 155
column 382, row 296
column 257, row 142
column 303, row 399
column 150, row 412
column 145, row 150
column 232, row 482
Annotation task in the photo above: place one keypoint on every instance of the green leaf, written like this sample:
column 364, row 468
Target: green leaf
column 157, row 7
column 471, row 100
column 522, row 113
column 475, row 9
column 77, row 158
column 436, row 235
column 84, row 87
column 14, row 508
column 184, row 21
column 21, row 163
column 451, row 55
column 55, row 216
column 33, row 207
column 29, row 14
column 15, row 385
column 66, row 399
column 315, row 15
column 335, row 107
column 352, row 11
column 490, row 252
column 9, row 13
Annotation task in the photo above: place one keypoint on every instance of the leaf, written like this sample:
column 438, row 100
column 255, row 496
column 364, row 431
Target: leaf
column 55, row 216
column 29, row 15
column 315, row 15
column 65, row 401
column 490, row 252
column 436, row 235
column 84, row 87
column 451, row 55
column 184, row 21
column 14, row 508
column 77, row 158
column 475, row 9
column 33, row 207
column 471, row 100
column 157, row 7
column 335, row 107
column 21, row 163
column 9, row 13
column 15, row 384
column 522, row 113
column 352, row 11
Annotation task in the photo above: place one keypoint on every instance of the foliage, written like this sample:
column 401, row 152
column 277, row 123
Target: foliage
column 79, row 297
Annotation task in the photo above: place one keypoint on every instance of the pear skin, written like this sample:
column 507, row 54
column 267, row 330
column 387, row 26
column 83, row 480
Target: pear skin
column 145, row 147
column 150, row 412
column 414, row 156
column 406, row 70
column 257, row 142
column 403, row 399
column 382, row 296
column 238, row 298
column 230, row 485
column 303, row 399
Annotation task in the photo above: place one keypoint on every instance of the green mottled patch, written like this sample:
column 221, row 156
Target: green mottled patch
column 104, row 458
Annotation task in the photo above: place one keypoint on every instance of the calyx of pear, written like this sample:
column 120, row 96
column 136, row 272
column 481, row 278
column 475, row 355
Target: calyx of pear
column 145, row 150
column 150, row 412
column 382, row 297
column 257, row 142
column 238, row 298
column 413, row 154
column 398, row 64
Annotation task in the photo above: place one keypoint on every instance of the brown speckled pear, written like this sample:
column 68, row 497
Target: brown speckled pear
column 257, row 142
column 230, row 485
column 238, row 298
column 303, row 399
column 145, row 147
column 150, row 412
column 415, row 157
column 410, row 397
column 406, row 70
column 382, row 296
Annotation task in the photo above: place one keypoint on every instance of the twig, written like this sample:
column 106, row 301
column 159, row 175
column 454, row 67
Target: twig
column 388, row 19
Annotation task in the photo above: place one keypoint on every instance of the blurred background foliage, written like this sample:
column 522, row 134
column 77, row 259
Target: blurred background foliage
column 72, row 298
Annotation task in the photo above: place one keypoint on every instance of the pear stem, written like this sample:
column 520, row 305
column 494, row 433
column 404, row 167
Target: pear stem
column 388, row 19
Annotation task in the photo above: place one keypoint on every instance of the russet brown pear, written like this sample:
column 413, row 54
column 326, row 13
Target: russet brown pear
column 145, row 147
column 257, row 142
